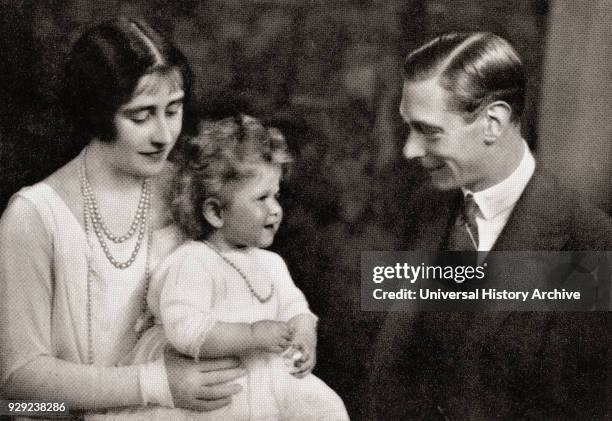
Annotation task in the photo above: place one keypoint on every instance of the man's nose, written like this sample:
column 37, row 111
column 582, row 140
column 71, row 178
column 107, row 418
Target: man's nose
column 414, row 147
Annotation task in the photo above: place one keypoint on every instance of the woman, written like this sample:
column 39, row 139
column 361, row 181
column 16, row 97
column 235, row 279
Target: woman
column 77, row 249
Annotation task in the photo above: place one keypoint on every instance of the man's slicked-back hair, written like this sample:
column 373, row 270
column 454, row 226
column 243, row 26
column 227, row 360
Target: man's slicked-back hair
column 475, row 69
column 105, row 66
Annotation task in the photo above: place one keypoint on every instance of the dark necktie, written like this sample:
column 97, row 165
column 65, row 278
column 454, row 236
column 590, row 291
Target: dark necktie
column 464, row 235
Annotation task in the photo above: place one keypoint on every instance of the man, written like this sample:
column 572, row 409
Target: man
column 462, row 100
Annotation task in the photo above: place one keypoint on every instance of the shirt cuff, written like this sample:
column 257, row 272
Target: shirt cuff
column 154, row 387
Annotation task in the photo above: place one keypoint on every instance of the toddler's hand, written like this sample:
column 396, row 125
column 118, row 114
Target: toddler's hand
column 306, row 341
column 304, row 365
column 272, row 336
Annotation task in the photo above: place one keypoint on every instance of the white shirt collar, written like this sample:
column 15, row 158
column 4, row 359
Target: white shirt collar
column 504, row 195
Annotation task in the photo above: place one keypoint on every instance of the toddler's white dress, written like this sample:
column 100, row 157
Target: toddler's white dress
column 194, row 288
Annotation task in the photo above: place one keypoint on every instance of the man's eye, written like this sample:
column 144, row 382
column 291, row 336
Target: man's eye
column 429, row 131
column 431, row 135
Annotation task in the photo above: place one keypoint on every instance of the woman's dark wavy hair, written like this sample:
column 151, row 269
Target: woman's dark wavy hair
column 104, row 68
column 474, row 68
column 223, row 152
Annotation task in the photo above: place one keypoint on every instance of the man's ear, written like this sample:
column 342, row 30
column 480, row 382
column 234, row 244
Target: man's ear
column 212, row 212
column 497, row 118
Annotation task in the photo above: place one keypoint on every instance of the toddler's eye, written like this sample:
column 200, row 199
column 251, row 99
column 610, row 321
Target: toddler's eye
column 277, row 195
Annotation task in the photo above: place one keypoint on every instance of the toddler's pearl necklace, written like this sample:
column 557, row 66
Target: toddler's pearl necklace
column 243, row 276
column 142, row 220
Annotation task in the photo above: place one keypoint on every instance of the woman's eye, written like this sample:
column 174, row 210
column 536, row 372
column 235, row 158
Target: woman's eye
column 140, row 116
column 174, row 108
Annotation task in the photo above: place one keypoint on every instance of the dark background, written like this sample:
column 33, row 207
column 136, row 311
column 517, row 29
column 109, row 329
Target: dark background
column 327, row 73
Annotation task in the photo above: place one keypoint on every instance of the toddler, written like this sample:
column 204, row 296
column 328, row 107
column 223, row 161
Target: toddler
column 220, row 294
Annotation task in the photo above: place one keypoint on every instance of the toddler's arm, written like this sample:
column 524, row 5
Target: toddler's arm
column 243, row 338
column 191, row 322
column 294, row 308
column 305, row 327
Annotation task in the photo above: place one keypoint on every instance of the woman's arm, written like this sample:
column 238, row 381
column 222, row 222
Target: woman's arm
column 79, row 386
column 203, row 386
column 28, row 367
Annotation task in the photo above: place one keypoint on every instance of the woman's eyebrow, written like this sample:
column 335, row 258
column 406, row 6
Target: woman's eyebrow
column 148, row 107
column 179, row 96
column 175, row 101
column 138, row 108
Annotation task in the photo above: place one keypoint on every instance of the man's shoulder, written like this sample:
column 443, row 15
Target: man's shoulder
column 586, row 226
column 591, row 227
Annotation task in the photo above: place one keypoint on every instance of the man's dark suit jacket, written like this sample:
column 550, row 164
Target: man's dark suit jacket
column 510, row 365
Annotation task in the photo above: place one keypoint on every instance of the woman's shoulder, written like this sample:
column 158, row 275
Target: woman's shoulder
column 52, row 193
column 56, row 181
column 66, row 184
column 66, row 174
column 40, row 209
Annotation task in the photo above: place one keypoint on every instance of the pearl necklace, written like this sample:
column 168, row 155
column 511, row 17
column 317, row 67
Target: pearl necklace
column 243, row 276
column 145, row 195
column 102, row 232
column 91, row 273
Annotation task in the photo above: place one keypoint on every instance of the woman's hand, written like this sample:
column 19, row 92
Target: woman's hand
column 272, row 336
column 204, row 385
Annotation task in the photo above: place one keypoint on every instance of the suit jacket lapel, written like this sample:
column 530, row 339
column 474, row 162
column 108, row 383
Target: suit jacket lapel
column 539, row 219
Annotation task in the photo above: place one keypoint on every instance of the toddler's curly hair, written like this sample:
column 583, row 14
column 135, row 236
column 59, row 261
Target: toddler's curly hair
column 222, row 152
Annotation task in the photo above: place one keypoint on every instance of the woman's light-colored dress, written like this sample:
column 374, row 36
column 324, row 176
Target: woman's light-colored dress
column 43, row 285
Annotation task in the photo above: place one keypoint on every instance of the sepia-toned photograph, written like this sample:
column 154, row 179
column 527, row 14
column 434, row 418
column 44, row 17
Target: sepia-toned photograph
column 265, row 210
